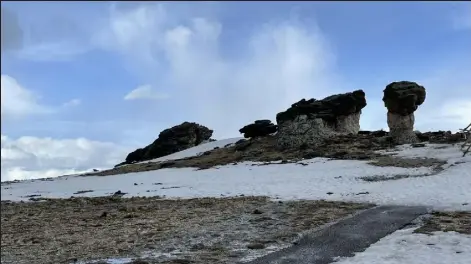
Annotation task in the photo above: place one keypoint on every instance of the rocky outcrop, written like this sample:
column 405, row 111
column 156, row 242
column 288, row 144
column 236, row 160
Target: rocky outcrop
column 171, row 140
column 259, row 128
column 443, row 137
column 402, row 99
column 378, row 133
column 308, row 122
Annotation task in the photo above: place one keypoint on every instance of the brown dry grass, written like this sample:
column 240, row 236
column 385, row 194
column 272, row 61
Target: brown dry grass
column 447, row 221
column 359, row 147
column 205, row 230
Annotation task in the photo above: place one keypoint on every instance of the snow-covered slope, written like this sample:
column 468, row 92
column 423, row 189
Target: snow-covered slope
column 194, row 151
column 403, row 246
column 317, row 178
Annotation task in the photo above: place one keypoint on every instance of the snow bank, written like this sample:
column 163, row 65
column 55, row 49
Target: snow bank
column 404, row 246
column 317, row 178
column 195, row 151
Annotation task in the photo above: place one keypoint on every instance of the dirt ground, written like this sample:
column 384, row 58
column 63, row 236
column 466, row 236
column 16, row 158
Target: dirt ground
column 206, row 230
column 447, row 221
column 352, row 147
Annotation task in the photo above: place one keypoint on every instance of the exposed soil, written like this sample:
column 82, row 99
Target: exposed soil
column 206, row 230
column 357, row 147
column 447, row 221
column 350, row 147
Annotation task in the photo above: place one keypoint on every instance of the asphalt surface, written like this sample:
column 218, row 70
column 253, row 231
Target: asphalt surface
column 345, row 237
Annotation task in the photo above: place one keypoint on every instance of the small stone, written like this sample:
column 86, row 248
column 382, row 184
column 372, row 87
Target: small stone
column 418, row 145
column 330, row 193
column 255, row 246
column 139, row 261
column 119, row 193
column 135, row 184
column 198, row 246
column 257, row 211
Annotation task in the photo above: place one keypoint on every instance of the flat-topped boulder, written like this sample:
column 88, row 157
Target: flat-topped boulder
column 260, row 128
column 328, row 108
column 171, row 140
column 402, row 99
column 311, row 121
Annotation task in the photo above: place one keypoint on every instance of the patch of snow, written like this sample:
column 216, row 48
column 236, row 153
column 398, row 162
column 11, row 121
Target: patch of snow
column 110, row 261
column 319, row 178
column 403, row 246
column 447, row 152
column 197, row 150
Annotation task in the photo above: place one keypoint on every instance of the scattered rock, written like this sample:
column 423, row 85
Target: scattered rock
column 330, row 193
column 138, row 261
column 378, row 133
column 171, row 140
column 441, row 137
column 255, row 246
column 119, row 193
column 402, row 99
column 180, row 261
column 242, row 144
column 198, row 246
column 84, row 191
column 259, row 128
column 257, row 211
column 32, row 195
column 418, row 145
column 311, row 121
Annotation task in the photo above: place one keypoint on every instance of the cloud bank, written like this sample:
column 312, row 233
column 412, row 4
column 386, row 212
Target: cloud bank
column 33, row 157
column 206, row 73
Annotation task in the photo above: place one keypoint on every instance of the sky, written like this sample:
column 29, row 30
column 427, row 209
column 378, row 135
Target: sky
column 85, row 83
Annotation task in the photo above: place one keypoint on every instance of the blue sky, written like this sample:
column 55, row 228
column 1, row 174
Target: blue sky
column 107, row 77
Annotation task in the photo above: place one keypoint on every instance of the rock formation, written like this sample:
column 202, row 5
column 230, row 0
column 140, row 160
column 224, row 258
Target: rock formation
column 259, row 128
column 308, row 122
column 171, row 140
column 402, row 99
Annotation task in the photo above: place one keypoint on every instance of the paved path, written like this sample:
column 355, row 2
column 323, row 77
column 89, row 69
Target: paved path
column 345, row 237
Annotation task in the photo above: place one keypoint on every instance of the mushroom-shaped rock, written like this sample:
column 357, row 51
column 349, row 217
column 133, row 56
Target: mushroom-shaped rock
column 311, row 121
column 402, row 99
column 171, row 140
column 259, row 128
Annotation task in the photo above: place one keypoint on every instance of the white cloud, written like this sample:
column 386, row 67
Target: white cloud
column 72, row 103
column 33, row 157
column 275, row 66
column 18, row 101
column 145, row 92
column 56, row 50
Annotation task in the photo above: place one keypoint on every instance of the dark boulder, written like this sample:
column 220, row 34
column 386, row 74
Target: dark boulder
column 404, row 97
column 441, row 137
column 378, row 133
column 328, row 108
column 171, row 140
column 259, row 128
